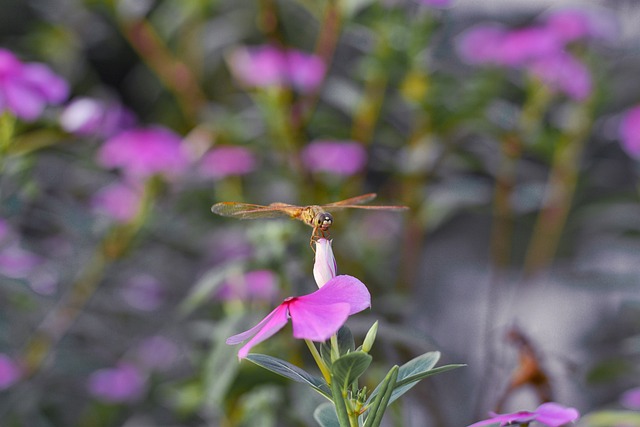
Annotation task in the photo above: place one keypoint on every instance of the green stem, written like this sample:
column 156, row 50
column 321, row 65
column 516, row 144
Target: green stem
column 318, row 359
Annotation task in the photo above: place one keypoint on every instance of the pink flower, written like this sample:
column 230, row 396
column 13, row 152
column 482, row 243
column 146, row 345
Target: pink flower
column 226, row 161
column 325, row 266
column 25, row 89
column 124, row 383
column 550, row 414
column 144, row 152
column 316, row 316
column 522, row 45
column 631, row 399
column 157, row 352
column 10, row 372
column 268, row 66
column 480, row 44
column 257, row 285
column 304, row 71
column 630, row 132
column 88, row 116
column 575, row 24
column 119, row 201
column 18, row 263
column 144, row 292
column 564, row 73
column 343, row 158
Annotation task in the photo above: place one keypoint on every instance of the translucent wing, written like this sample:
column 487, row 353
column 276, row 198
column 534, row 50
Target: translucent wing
column 353, row 200
column 251, row 211
column 379, row 208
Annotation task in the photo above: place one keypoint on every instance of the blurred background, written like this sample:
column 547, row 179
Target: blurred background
column 511, row 129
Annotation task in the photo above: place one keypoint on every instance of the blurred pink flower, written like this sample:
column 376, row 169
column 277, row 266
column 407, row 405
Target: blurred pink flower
column 325, row 267
column 316, row 316
column 257, row 285
column 225, row 161
column 119, row 201
column 480, row 44
column 10, row 372
column 304, row 71
column 549, row 414
column 157, row 352
column 124, row 383
column 575, row 24
column 144, row 152
column 520, row 46
column 630, row 399
column 143, row 292
column 27, row 88
column 89, row 116
column 564, row 73
column 267, row 66
column 337, row 157
column 18, row 263
column 630, row 132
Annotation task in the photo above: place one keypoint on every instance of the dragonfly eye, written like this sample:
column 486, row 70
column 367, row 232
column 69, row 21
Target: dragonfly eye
column 324, row 221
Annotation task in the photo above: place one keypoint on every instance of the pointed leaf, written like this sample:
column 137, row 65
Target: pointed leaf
column 290, row 371
column 339, row 394
column 407, row 384
column 348, row 368
column 326, row 416
column 380, row 403
column 346, row 344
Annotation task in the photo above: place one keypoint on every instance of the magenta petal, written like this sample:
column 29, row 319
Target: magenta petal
column 24, row 101
column 317, row 322
column 341, row 289
column 263, row 330
column 555, row 415
column 507, row 419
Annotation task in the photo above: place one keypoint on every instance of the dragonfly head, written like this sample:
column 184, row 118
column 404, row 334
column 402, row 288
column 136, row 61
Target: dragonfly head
column 323, row 221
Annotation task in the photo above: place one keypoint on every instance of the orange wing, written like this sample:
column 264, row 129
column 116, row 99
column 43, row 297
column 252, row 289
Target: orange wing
column 251, row 211
column 355, row 202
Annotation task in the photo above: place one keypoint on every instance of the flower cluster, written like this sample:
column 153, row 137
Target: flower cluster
column 27, row 88
column 541, row 49
column 269, row 66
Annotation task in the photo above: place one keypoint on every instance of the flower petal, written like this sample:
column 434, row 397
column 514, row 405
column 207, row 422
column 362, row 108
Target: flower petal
column 317, row 322
column 555, row 415
column 324, row 267
column 263, row 330
column 341, row 289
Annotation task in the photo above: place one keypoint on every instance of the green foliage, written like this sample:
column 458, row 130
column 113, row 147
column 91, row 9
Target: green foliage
column 348, row 368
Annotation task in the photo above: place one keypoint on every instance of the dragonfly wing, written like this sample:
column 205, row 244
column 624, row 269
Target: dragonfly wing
column 378, row 208
column 353, row 200
column 248, row 210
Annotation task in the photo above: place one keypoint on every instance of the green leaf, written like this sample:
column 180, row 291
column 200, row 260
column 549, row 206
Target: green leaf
column 413, row 371
column 339, row 394
column 380, row 403
column 348, row 368
column 346, row 344
column 326, row 416
column 290, row 371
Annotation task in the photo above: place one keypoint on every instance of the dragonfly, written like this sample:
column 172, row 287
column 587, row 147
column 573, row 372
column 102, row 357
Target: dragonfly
column 316, row 216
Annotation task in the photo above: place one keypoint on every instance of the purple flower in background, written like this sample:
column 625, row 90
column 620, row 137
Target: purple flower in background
column 337, row 157
column 564, row 73
column 157, row 352
column 304, row 71
column 316, row 316
column 267, row 66
column 119, row 201
column 523, row 45
column 124, row 383
column 630, row 132
column 10, row 372
column 144, row 292
column 576, row 24
column 259, row 66
column 144, row 152
column 631, row 399
column 480, row 44
column 225, row 161
column 18, row 263
column 27, row 88
column 325, row 267
column 88, row 116
column 550, row 414
column 257, row 285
